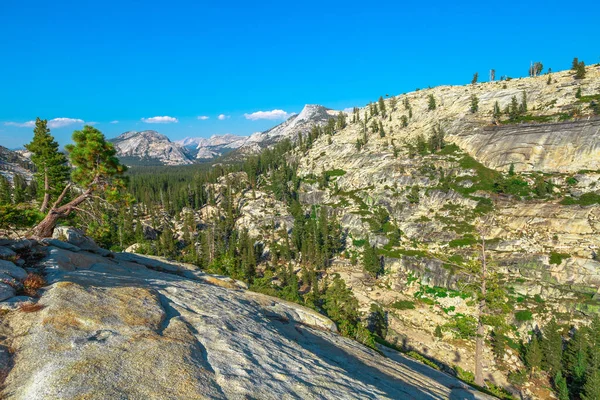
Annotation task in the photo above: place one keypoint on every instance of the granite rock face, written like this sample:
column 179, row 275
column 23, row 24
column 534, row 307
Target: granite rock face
column 132, row 327
column 558, row 147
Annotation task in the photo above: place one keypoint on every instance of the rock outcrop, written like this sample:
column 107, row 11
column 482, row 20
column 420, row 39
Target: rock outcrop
column 127, row 326
column 552, row 147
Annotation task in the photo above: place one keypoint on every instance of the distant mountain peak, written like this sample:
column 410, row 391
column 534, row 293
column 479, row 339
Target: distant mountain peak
column 150, row 147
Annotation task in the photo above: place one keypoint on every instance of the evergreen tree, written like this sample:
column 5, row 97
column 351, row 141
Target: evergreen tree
column 474, row 103
column 496, row 112
column 431, row 103
column 524, row 103
column 381, row 105
column 578, row 93
column 52, row 171
column 5, row 191
column 575, row 64
column 371, row 262
column 514, row 110
column 576, row 360
column 19, row 189
column 97, row 170
column 404, row 121
column 341, row 305
column 560, row 386
column 341, row 120
column 552, row 348
column 475, row 77
column 533, row 356
column 580, row 72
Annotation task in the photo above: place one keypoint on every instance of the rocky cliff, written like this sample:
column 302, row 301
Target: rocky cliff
column 126, row 326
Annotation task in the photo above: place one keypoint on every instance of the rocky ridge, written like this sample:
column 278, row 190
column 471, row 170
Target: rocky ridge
column 119, row 325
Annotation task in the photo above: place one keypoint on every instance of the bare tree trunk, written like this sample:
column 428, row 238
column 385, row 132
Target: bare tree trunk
column 44, row 206
column 46, row 228
column 480, row 328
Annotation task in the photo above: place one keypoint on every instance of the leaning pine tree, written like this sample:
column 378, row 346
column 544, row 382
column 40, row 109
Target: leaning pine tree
column 96, row 170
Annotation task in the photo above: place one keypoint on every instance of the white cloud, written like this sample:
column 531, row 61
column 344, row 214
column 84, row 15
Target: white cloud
column 114, row 122
column 202, row 117
column 160, row 120
column 62, row 122
column 53, row 123
column 28, row 124
column 273, row 114
column 223, row 117
column 92, row 123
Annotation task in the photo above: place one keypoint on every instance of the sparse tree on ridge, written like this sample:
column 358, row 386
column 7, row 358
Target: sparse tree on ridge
column 475, row 78
column 575, row 64
column 381, row 105
column 474, row 103
column 580, row 71
column 97, row 170
column 431, row 103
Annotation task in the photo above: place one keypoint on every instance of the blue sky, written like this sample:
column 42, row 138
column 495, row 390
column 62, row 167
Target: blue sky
column 131, row 61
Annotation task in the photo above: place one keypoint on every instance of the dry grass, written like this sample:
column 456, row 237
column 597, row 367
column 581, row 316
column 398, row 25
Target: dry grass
column 33, row 283
column 30, row 307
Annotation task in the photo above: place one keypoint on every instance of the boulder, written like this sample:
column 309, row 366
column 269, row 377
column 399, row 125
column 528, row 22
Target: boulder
column 6, row 291
column 75, row 237
column 8, row 268
column 6, row 253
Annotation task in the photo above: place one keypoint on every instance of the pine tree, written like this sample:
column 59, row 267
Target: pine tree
column 523, row 108
column 19, row 189
column 474, row 103
column 496, row 112
column 371, row 262
column 404, row 121
column 580, row 72
column 591, row 388
column 578, row 93
column 552, row 348
column 575, row 64
column 514, row 110
column 431, row 103
column 341, row 120
column 51, row 165
column 5, row 191
column 475, row 78
column 97, row 170
column 576, row 359
column 560, row 386
column 381, row 105
column 533, row 357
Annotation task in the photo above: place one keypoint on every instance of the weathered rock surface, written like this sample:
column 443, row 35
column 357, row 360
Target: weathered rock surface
column 118, row 328
column 557, row 147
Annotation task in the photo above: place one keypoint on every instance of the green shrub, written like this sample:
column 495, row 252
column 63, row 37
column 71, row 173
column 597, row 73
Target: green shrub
column 523, row 315
column 586, row 199
column 467, row 240
column 464, row 375
column 403, row 305
column 557, row 258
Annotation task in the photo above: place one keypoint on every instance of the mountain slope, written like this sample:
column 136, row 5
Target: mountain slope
column 150, row 147
column 11, row 163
